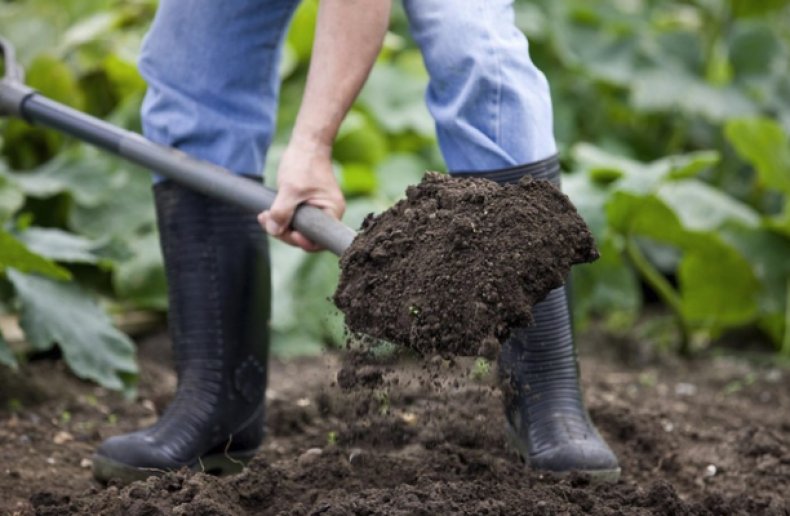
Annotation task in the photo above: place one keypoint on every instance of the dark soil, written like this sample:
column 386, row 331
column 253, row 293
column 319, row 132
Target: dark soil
column 455, row 265
column 707, row 437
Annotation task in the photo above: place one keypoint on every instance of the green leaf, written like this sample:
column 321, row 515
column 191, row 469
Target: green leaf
column 360, row 141
column 358, row 179
column 745, row 8
column 60, row 245
column 589, row 197
column 648, row 216
column 701, row 207
column 302, row 32
column 7, row 357
column 14, row 254
column 634, row 176
column 11, row 198
column 140, row 278
column 394, row 98
column 718, row 287
column 123, row 209
column 64, row 314
column 667, row 90
column 55, row 80
column 87, row 174
column 763, row 143
column 767, row 253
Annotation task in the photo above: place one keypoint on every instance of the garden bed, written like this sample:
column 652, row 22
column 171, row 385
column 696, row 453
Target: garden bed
column 707, row 437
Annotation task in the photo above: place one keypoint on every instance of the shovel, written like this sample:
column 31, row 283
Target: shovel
column 18, row 100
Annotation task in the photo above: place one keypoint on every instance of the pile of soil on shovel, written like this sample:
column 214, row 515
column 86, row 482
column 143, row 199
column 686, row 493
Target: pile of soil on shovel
column 457, row 263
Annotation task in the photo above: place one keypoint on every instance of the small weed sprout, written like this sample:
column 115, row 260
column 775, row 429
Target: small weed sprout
column 331, row 438
column 481, row 369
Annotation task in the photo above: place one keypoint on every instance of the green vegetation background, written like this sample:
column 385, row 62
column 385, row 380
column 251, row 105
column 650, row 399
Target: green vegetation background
column 672, row 118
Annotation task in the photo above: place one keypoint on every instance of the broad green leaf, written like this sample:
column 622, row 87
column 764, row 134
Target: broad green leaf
column 123, row 208
column 7, row 357
column 11, row 198
column 13, row 253
column 60, row 245
column 124, row 76
column 54, row 79
column 358, row 179
column 690, row 164
column 667, row 90
column 717, row 285
column 638, row 177
column 700, row 207
column 364, row 144
column 767, row 253
column 753, row 50
column 87, row 174
column 589, row 198
column 140, row 278
column 64, row 314
column 394, row 98
column 302, row 32
column 89, row 29
column 763, row 143
column 648, row 216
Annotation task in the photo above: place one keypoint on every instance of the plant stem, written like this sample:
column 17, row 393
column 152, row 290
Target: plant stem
column 663, row 288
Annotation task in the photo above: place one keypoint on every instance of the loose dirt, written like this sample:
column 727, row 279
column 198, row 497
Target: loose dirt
column 458, row 262
column 382, row 437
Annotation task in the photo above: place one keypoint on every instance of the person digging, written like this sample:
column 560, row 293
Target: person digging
column 212, row 75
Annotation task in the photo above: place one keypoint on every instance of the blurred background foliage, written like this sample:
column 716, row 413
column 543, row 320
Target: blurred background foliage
column 672, row 119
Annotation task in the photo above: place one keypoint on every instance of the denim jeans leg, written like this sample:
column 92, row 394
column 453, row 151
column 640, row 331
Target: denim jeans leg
column 212, row 73
column 491, row 105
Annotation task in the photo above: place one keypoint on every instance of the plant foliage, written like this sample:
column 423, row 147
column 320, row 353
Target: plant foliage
column 672, row 116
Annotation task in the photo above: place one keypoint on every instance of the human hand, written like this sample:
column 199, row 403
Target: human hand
column 304, row 176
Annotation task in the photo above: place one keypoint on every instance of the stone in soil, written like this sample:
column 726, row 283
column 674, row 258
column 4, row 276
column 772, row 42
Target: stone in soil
column 459, row 262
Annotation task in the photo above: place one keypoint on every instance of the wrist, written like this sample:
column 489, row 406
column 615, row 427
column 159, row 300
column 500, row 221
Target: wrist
column 314, row 141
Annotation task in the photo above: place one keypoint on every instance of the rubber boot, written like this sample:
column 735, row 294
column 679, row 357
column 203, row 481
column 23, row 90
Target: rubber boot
column 216, row 260
column 547, row 421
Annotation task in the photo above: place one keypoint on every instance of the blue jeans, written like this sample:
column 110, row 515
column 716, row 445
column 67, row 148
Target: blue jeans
column 212, row 73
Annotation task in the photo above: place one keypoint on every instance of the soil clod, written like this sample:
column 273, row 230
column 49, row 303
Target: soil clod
column 459, row 262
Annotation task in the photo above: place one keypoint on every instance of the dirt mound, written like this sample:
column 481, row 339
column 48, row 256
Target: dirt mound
column 458, row 262
column 383, row 440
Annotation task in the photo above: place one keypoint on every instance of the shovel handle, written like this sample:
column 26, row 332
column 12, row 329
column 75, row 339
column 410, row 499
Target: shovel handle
column 217, row 182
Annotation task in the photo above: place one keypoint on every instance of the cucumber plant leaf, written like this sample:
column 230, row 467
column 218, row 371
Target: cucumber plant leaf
column 64, row 314
column 13, row 253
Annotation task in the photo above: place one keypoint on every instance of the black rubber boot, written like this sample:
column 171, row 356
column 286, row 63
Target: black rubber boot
column 546, row 418
column 216, row 259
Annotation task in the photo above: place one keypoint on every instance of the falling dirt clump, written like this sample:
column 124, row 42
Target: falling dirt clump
column 459, row 262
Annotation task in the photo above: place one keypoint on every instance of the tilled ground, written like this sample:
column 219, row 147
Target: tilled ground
column 702, row 438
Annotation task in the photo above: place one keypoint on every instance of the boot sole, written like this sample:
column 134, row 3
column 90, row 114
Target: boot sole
column 106, row 469
column 598, row 476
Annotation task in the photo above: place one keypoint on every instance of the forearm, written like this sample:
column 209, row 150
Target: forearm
column 348, row 38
